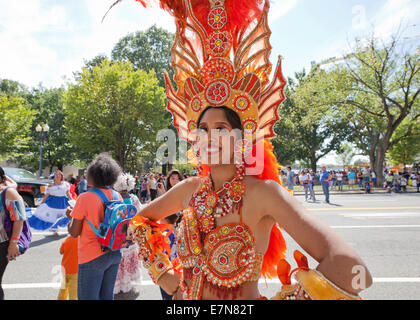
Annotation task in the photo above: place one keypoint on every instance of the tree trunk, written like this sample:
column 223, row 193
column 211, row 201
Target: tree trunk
column 378, row 166
column 314, row 161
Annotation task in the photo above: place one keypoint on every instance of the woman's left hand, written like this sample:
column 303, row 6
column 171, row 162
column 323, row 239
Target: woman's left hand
column 13, row 251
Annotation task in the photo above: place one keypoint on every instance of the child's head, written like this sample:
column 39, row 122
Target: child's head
column 103, row 171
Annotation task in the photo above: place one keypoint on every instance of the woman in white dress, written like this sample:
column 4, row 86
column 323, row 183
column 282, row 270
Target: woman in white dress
column 51, row 213
column 129, row 270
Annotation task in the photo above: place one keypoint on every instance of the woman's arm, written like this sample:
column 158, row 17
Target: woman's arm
column 173, row 201
column 338, row 261
column 13, row 249
column 75, row 226
column 10, row 182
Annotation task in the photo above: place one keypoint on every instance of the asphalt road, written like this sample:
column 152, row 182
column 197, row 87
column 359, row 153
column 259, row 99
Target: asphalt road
column 384, row 229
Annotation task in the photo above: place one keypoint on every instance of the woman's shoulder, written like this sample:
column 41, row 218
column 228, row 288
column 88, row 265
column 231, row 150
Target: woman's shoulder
column 256, row 185
column 191, row 182
column 12, row 194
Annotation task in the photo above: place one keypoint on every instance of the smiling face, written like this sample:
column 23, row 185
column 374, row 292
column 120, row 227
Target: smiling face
column 174, row 179
column 58, row 177
column 216, row 137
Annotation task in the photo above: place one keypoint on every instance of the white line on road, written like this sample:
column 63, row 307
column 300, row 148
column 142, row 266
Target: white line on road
column 56, row 285
column 378, row 226
column 381, row 214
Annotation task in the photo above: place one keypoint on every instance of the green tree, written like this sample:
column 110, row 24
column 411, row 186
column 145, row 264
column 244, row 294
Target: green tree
column 377, row 88
column 58, row 150
column 114, row 108
column 408, row 147
column 15, row 123
column 148, row 50
column 310, row 127
column 345, row 154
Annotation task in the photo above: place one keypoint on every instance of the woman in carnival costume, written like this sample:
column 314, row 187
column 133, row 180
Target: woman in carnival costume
column 230, row 234
column 51, row 213
column 129, row 270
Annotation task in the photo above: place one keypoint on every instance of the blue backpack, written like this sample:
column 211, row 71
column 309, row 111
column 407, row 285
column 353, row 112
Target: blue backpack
column 112, row 232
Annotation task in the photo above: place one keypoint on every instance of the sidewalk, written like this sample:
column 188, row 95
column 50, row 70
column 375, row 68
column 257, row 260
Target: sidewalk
column 356, row 190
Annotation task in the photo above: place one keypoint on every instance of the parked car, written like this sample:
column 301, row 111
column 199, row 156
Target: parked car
column 30, row 187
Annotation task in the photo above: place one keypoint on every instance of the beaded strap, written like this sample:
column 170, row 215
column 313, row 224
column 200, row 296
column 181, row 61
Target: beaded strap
column 152, row 239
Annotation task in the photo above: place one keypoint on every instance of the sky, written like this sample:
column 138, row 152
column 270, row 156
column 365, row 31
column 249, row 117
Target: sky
column 45, row 41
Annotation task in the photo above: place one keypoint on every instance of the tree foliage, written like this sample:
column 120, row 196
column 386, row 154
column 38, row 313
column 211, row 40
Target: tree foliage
column 310, row 127
column 15, row 122
column 114, row 108
column 148, row 50
column 377, row 88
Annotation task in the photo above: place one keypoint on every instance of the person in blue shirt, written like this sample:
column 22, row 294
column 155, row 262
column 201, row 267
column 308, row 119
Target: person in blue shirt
column 290, row 178
column 82, row 185
column 325, row 182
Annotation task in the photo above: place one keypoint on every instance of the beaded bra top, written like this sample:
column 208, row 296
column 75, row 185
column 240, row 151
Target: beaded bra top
column 226, row 258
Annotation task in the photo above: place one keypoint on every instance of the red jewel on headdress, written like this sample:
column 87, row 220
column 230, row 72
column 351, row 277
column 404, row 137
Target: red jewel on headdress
column 218, row 92
column 219, row 43
column 217, row 18
column 217, row 68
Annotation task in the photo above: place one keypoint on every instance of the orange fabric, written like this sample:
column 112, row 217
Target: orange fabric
column 73, row 191
column 89, row 205
column 69, row 250
column 159, row 235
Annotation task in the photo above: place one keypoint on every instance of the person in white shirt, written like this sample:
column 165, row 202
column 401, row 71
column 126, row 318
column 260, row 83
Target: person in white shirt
column 305, row 179
column 403, row 184
column 339, row 176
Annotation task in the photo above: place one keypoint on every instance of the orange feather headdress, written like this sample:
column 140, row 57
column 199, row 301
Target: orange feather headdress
column 220, row 57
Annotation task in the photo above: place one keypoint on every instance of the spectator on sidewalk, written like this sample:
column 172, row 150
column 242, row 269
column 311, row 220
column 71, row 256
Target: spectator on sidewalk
column 283, row 178
column 333, row 183
column 290, row 178
column 310, row 185
column 82, row 184
column 351, row 175
column 414, row 180
column 339, row 177
column 325, row 182
column 403, row 184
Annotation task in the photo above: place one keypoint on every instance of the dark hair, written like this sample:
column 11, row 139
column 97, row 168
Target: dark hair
column 168, row 182
column 232, row 117
column 104, row 171
column 172, row 219
column 2, row 175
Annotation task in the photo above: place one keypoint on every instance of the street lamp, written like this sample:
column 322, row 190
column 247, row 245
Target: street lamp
column 42, row 132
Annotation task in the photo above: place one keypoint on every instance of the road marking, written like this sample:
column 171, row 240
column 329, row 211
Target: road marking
column 354, row 209
column 44, row 233
column 380, row 214
column 56, row 285
column 378, row 226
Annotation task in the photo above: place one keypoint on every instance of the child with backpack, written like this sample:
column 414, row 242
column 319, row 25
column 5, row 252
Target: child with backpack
column 98, row 266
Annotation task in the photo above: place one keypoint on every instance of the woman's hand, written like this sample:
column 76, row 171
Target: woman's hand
column 169, row 282
column 69, row 211
column 13, row 250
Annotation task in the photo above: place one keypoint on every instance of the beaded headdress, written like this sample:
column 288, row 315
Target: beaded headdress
column 220, row 57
